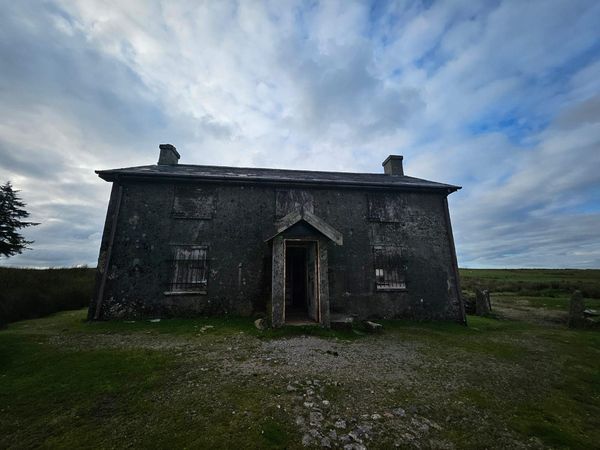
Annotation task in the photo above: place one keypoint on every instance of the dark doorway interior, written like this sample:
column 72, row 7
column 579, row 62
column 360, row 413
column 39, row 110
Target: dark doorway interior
column 296, row 301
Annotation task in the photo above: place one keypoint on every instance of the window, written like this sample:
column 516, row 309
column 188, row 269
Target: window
column 193, row 203
column 190, row 269
column 390, row 269
column 386, row 208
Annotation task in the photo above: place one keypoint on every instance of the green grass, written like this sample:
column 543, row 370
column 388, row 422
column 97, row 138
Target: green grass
column 106, row 398
column 568, row 414
column 71, row 322
column 481, row 382
column 62, row 398
column 474, row 339
column 492, row 377
column 554, row 396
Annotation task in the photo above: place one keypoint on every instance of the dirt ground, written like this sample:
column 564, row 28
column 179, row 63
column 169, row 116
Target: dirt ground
column 378, row 391
column 519, row 380
column 520, row 310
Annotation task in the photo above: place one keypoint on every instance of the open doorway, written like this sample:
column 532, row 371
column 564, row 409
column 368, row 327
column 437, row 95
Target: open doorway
column 300, row 282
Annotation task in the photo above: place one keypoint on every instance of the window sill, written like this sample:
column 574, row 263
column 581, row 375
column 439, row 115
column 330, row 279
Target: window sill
column 195, row 292
column 192, row 217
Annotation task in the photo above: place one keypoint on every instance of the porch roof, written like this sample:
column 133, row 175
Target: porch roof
column 314, row 221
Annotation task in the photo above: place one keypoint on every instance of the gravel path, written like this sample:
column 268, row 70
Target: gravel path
column 380, row 391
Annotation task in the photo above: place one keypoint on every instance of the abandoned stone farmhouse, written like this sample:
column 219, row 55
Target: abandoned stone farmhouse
column 294, row 245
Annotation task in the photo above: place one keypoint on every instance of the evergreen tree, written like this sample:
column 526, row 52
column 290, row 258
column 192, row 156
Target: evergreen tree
column 12, row 215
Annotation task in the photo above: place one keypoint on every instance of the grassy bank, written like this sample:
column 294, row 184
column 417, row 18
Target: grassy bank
column 30, row 293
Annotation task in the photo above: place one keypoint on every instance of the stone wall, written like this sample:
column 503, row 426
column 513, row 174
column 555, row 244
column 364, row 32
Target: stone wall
column 234, row 221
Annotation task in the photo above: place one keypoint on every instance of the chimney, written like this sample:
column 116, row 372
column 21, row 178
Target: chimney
column 393, row 165
column 168, row 155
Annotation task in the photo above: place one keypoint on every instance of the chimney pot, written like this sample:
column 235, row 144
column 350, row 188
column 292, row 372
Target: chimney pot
column 168, row 155
column 393, row 165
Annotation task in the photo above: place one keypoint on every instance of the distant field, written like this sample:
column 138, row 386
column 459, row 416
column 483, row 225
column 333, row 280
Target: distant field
column 534, row 282
column 534, row 295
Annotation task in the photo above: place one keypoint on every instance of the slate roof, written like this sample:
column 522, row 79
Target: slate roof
column 278, row 176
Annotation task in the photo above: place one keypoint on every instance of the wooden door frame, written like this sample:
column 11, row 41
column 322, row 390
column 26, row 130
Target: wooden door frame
column 304, row 242
column 276, row 305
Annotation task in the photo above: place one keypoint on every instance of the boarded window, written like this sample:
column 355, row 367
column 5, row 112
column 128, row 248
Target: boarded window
column 287, row 201
column 389, row 267
column 193, row 203
column 385, row 208
column 190, row 268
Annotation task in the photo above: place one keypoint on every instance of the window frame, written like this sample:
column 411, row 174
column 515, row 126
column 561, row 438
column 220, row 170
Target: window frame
column 178, row 285
column 389, row 268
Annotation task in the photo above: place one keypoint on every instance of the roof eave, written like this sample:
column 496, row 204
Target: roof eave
column 113, row 175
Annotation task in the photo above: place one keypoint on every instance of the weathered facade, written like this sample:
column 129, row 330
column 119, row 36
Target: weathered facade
column 183, row 240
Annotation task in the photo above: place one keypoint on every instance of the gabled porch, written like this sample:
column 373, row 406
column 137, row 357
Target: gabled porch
column 299, row 279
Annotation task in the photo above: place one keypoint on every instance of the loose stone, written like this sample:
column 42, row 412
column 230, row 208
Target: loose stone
column 316, row 417
column 340, row 423
column 306, row 440
column 399, row 412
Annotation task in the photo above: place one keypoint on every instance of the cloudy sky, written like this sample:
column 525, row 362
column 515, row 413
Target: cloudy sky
column 500, row 97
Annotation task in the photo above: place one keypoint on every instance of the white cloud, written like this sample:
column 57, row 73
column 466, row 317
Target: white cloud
column 499, row 97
